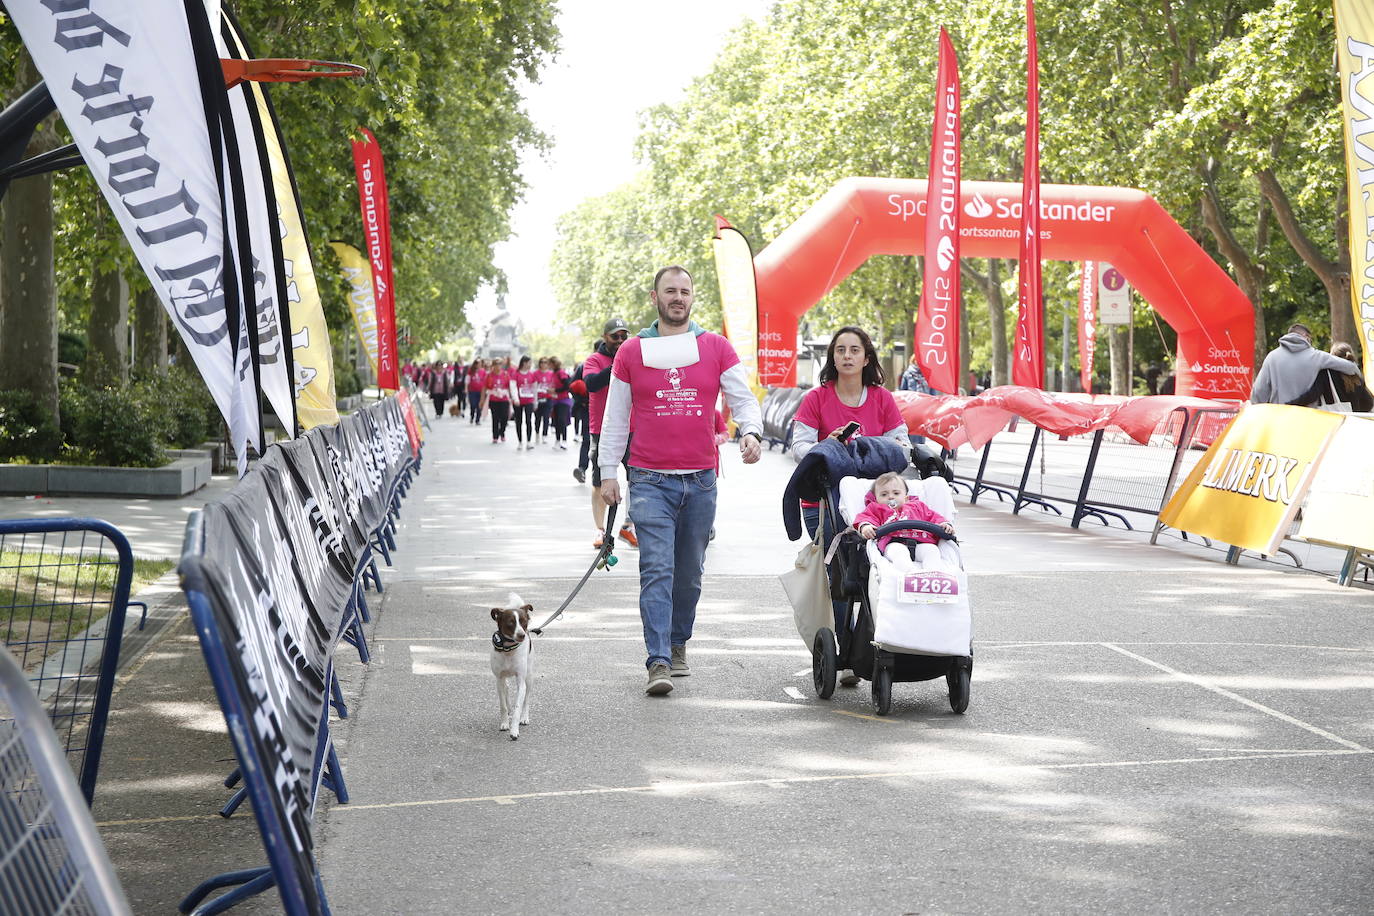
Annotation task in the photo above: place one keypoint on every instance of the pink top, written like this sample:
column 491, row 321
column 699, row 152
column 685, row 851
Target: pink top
column 477, row 379
column 528, row 384
column 560, row 379
column 822, row 410
column 673, row 410
column 596, row 400
column 878, row 514
column 498, row 385
column 544, row 386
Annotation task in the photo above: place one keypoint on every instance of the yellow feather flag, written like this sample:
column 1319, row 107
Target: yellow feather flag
column 361, row 302
column 311, row 355
column 1355, row 54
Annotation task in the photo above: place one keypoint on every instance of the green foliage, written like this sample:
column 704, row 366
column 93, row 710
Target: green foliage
column 112, row 426
column 26, row 428
column 186, row 414
column 1169, row 97
column 71, row 348
column 443, row 98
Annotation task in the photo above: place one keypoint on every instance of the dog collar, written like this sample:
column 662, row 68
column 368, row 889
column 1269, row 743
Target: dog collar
column 500, row 643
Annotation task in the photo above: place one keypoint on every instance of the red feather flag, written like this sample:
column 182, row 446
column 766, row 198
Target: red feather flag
column 937, row 322
column 1028, row 367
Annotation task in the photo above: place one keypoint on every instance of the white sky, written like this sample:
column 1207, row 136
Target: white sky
column 618, row 57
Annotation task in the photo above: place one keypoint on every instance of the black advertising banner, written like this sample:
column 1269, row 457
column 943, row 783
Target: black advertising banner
column 277, row 558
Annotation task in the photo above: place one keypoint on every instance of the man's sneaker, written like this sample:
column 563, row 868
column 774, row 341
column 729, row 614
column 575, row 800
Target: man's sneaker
column 628, row 536
column 599, row 542
column 849, row 679
column 679, row 666
column 660, row 680
column 579, row 475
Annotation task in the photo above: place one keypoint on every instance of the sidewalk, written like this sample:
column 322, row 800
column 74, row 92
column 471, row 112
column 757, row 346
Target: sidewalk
column 1150, row 730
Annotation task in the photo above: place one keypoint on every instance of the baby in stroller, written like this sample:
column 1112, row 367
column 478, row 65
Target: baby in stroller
column 890, row 501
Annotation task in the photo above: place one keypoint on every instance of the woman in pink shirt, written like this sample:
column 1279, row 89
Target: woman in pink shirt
column 497, row 397
column 543, row 410
column 526, row 385
column 851, row 390
column 477, row 383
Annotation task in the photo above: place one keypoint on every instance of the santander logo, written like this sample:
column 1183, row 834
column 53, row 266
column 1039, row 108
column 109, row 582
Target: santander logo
column 944, row 252
column 978, row 208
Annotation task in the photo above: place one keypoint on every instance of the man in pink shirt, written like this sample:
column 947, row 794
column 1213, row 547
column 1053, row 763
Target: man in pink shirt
column 668, row 379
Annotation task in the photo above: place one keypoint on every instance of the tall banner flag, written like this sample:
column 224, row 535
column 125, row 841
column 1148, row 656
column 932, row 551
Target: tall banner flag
column 1087, row 324
column 937, row 322
column 312, row 359
column 739, row 302
column 1355, row 57
column 1028, row 366
column 255, row 219
column 357, row 273
column 367, row 161
column 140, row 87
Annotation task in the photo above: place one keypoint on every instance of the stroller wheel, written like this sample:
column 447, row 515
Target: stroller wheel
column 823, row 662
column 958, row 677
column 882, row 689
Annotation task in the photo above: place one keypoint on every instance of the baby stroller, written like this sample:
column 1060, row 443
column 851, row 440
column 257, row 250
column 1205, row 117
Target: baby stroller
column 901, row 625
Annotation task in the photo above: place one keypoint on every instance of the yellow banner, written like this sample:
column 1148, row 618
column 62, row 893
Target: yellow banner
column 311, row 354
column 1250, row 484
column 1355, row 55
column 1340, row 506
column 358, row 273
column 739, row 307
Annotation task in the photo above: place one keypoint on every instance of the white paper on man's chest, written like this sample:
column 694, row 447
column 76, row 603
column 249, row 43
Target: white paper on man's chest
column 671, row 352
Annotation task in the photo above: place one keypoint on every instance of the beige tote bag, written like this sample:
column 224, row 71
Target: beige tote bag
column 808, row 589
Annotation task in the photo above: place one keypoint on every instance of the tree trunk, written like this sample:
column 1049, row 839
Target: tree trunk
column 991, row 285
column 965, row 348
column 28, row 288
column 150, row 334
column 1335, row 275
column 107, row 329
column 1249, row 273
column 997, row 324
column 1120, row 343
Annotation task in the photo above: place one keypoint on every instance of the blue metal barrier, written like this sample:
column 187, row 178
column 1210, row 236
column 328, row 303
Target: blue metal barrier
column 291, row 870
column 51, row 857
column 64, row 592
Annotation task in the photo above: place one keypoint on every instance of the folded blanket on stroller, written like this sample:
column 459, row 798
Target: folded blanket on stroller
column 830, row 460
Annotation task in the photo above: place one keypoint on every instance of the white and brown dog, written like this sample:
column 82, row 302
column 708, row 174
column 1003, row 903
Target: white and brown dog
column 510, row 662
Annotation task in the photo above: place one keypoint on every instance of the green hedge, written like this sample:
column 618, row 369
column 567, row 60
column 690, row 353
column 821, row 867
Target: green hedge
column 129, row 425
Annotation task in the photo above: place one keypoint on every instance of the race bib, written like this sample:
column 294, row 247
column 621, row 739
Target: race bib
column 929, row 588
column 671, row 352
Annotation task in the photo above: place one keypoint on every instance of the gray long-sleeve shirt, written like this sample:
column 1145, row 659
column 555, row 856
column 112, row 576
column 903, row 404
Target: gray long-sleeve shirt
column 1290, row 369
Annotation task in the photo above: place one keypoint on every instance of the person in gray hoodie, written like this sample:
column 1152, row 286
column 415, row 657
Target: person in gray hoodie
column 1292, row 366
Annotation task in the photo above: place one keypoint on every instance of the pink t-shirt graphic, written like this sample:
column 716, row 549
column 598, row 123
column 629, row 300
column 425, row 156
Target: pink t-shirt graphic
column 673, row 410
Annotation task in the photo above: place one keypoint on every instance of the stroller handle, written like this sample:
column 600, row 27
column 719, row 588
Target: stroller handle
column 913, row 525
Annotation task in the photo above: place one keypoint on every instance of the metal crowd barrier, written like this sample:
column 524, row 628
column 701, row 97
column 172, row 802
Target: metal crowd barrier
column 1101, row 475
column 51, row 858
column 64, row 593
column 276, row 574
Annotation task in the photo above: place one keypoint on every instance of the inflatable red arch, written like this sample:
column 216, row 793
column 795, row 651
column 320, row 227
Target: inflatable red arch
column 862, row 217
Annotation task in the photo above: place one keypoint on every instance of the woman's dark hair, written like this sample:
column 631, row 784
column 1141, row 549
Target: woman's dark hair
column 873, row 371
column 524, row 359
column 555, row 362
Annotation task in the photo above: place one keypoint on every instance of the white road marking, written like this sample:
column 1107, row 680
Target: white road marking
column 680, row 788
column 802, row 673
column 793, row 692
column 1259, row 707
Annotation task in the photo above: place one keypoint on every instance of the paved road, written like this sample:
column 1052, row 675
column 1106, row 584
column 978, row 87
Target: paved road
column 1150, row 731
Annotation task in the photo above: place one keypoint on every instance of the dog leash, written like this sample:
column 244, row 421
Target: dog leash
column 604, row 560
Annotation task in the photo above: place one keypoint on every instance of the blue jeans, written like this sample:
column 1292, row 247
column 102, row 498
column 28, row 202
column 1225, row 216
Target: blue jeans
column 811, row 517
column 673, row 518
